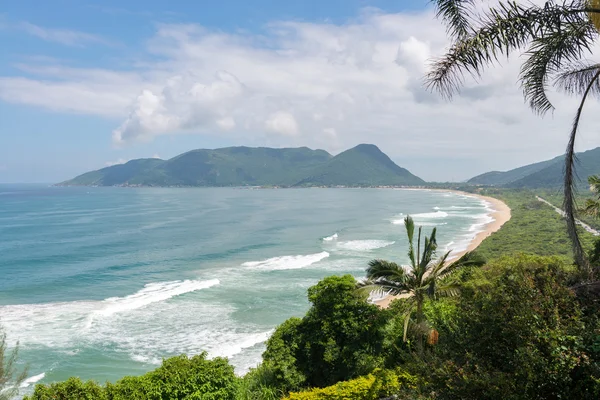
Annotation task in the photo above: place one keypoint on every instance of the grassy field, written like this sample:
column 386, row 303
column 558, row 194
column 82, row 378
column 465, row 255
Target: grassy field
column 533, row 228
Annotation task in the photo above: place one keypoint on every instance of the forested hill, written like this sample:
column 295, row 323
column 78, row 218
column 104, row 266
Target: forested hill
column 363, row 165
column 545, row 174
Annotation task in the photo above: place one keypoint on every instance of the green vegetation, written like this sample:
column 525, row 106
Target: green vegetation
column 363, row 165
column 518, row 332
column 592, row 206
column 534, row 228
column 379, row 384
column 177, row 378
column 10, row 379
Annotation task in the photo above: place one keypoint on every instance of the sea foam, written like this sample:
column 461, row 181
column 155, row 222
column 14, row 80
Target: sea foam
column 30, row 381
column 286, row 262
column 152, row 293
column 430, row 215
column 330, row 238
column 364, row 245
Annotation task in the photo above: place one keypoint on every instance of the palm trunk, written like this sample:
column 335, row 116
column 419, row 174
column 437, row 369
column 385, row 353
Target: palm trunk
column 420, row 319
column 569, row 189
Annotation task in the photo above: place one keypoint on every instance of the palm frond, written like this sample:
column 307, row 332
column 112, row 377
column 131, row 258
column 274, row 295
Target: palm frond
column 577, row 78
column 548, row 56
column 385, row 269
column 381, row 288
column 569, row 203
column 502, row 30
column 439, row 265
column 594, row 181
column 591, row 208
column 448, row 289
column 455, row 14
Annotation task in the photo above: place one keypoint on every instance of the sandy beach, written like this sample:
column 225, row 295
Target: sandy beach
column 500, row 214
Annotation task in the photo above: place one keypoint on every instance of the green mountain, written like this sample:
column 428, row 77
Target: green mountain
column 364, row 165
column 545, row 174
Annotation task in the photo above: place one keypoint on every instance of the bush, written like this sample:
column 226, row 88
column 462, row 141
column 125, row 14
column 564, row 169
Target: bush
column 340, row 338
column 177, row 378
column 261, row 383
column 279, row 366
column 71, row 389
column 374, row 386
column 516, row 333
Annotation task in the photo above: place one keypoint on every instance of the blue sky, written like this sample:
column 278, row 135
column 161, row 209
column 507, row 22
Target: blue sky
column 87, row 84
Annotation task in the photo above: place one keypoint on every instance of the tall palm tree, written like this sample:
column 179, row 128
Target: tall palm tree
column 592, row 206
column 555, row 38
column 425, row 276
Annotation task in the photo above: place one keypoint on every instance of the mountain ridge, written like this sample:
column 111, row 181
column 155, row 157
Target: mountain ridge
column 361, row 166
column 544, row 174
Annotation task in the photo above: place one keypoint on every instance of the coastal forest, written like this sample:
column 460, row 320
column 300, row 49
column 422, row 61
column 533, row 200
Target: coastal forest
column 517, row 318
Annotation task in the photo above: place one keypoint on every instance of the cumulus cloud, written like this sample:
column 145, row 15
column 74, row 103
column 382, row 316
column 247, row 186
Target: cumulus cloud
column 322, row 85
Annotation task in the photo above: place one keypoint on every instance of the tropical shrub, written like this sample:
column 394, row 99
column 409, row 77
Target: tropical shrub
column 177, row 378
column 517, row 332
column 374, row 386
column 71, row 389
column 341, row 336
column 279, row 365
column 10, row 378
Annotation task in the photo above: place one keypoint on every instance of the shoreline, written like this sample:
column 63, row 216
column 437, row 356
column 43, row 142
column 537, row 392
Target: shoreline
column 500, row 214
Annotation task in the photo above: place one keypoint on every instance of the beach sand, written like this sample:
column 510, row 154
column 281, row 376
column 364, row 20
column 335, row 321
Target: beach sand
column 500, row 214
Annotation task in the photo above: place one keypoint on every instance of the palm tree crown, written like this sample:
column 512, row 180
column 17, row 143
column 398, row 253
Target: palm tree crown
column 555, row 38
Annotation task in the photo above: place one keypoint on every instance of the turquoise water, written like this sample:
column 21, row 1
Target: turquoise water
column 104, row 282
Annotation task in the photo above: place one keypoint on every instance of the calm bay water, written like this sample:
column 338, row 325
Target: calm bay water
column 104, row 282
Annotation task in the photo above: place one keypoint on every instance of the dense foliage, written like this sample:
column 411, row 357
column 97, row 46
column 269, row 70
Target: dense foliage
column 517, row 331
column 534, row 228
column 379, row 384
column 341, row 337
column 363, row 165
column 177, row 378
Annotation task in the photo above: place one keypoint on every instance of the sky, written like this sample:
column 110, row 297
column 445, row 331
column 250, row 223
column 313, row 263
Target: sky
column 88, row 84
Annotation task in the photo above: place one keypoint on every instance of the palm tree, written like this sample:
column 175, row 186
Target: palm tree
column 592, row 206
column 425, row 277
column 557, row 36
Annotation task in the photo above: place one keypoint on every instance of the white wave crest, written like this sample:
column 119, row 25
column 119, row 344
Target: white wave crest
column 364, row 245
column 437, row 214
column 31, row 380
column 236, row 347
column 330, row 238
column 286, row 262
column 401, row 222
column 152, row 293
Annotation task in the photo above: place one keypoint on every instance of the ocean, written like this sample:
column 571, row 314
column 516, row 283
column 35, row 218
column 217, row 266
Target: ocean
column 105, row 282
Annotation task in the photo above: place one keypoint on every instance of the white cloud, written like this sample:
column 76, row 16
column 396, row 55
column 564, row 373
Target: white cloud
column 282, row 123
column 63, row 36
column 322, row 85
